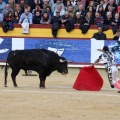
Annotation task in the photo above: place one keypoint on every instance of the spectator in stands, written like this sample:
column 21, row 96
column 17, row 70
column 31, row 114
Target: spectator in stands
column 101, row 4
column 51, row 3
column 68, row 3
column 6, row 9
column 111, row 3
column 1, row 17
column 25, row 20
column 17, row 1
column 88, row 20
column 46, row 18
column 115, row 23
column 37, row 8
column 86, row 23
column 45, row 4
column 58, row 2
column 16, row 17
column 22, row 5
column 26, row 15
column 117, row 2
column 30, row 3
column 76, row 5
column 73, row 2
column 56, row 23
column 12, row 3
column 78, row 19
column 101, row 11
column 91, row 10
column 48, row 10
column 71, row 11
column 91, row 3
column 36, row 3
column 18, row 9
column 2, row 5
column 62, row 11
column 98, row 20
column 9, row 19
column 80, row 9
column 96, row 3
column 6, row 1
column 117, row 37
column 99, row 35
column 110, row 9
column 105, row 4
column 37, row 17
column 83, row 2
column 108, row 20
column 67, row 21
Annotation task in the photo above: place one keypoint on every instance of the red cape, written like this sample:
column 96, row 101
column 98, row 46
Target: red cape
column 88, row 79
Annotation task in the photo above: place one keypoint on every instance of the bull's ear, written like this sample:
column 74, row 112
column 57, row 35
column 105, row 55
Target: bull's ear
column 62, row 60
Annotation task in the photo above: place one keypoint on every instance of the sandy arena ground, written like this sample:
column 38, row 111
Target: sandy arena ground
column 59, row 101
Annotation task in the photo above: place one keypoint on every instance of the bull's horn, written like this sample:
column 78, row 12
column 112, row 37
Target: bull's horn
column 62, row 60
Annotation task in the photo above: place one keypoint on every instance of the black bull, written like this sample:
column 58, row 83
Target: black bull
column 43, row 61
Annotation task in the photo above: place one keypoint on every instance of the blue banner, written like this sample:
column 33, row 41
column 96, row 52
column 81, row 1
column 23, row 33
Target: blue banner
column 5, row 47
column 76, row 50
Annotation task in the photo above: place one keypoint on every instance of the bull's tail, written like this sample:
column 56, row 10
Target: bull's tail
column 6, row 74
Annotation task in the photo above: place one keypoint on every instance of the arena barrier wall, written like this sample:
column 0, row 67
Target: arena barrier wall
column 78, row 48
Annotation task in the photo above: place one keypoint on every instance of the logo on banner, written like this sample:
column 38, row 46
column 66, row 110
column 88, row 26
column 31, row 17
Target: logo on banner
column 4, row 49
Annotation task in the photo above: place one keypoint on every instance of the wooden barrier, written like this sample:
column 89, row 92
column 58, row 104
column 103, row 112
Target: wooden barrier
column 44, row 31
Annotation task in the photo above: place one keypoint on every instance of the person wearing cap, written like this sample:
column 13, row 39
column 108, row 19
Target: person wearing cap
column 111, row 66
column 56, row 23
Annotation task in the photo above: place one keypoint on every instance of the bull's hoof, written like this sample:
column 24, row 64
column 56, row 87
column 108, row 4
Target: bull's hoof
column 42, row 87
column 5, row 85
column 15, row 86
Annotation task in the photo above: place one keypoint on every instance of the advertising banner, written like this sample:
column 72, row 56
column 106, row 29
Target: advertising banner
column 76, row 50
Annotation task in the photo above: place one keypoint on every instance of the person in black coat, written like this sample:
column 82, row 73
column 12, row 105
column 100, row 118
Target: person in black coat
column 117, row 37
column 77, row 19
column 115, row 23
column 56, row 23
column 99, row 35
column 86, row 23
column 108, row 20
column 67, row 21
column 37, row 17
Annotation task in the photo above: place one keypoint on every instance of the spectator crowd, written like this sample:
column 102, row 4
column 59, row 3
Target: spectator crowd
column 69, row 13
